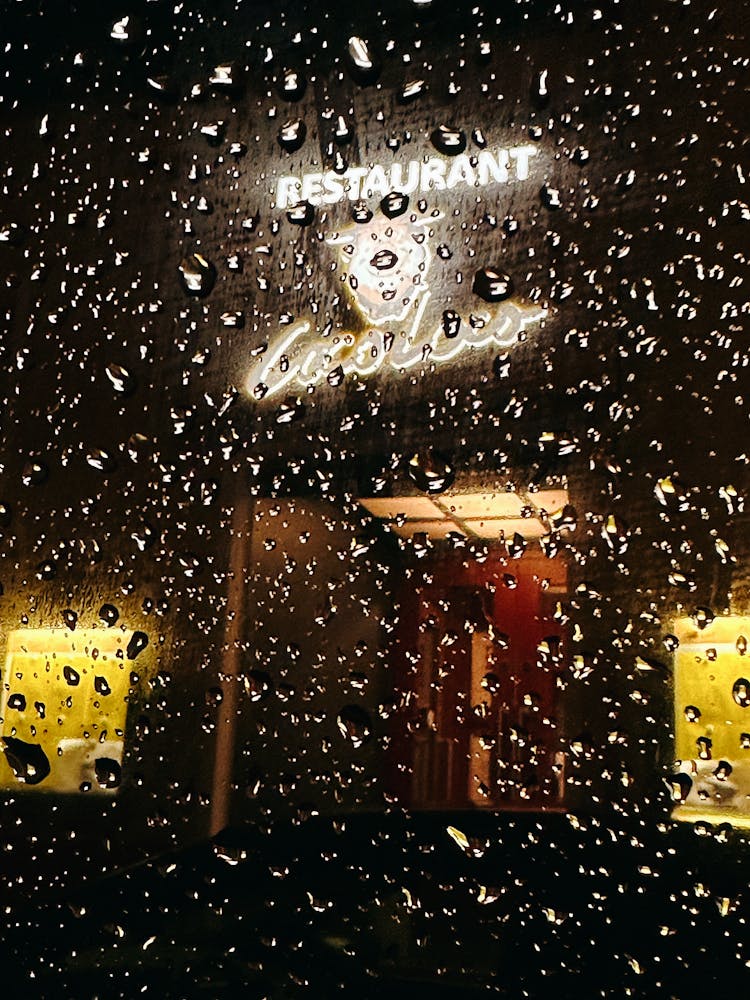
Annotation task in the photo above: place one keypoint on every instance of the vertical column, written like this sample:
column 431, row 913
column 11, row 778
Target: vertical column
column 239, row 556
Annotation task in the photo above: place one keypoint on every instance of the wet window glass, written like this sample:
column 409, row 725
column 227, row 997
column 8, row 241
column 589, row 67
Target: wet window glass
column 374, row 603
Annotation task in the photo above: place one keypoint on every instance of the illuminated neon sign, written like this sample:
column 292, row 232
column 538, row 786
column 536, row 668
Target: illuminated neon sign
column 385, row 261
column 432, row 174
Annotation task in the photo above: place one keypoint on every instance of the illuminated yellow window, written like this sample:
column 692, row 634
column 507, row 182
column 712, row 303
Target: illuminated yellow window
column 63, row 708
column 712, row 721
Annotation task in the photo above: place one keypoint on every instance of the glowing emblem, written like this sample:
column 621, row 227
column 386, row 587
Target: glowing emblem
column 385, row 263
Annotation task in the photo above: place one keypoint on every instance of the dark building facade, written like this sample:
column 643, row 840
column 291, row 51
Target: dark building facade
column 374, row 544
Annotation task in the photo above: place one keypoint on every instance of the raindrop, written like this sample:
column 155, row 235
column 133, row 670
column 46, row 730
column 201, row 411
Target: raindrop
column 411, row 91
column 394, row 204
column 198, row 275
column 516, row 546
column 540, row 89
column 360, row 212
column 258, row 685
column 101, row 686
column 109, row 614
column 702, row 617
column 223, row 75
column 354, row 725
column 451, row 323
column 680, row 786
column 72, row 677
column 384, row 260
column 28, row 761
column 431, row 472
column 550, row 197
column 361, row 62
column 343, row 132
column 301, row 214
column 692, row 714
column 18, row 702
column 492, row 285
column 290, row 410
column 292, row 135
column 447, row 140
column 723, row 770
column 214, row 133
column 292, row 85
column 121, row 379
column 741, row 692
column 100, row 460
column 138, row 642
column 70, row 618
column 108, row 772
column 34, row 473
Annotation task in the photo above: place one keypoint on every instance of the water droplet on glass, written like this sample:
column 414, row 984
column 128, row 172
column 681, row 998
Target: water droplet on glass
column 431, row 472
column 394, row 204
column 301, row 214
column 492, row 285
column 292, row 85
column 34, row 472
column 258, row 685
column 448, row 140
column 101, row 685
column 109, row 614
column 411, row 91
column 702, row 617
column 360, row 212
column 28, row 761
column 70, row 618
column 138, row 642
column 100, row 460
column 680, row 786
column 550, row 197
column 451, row 323
column 361, row 62
column 108, row 772
column 121, row 379
column 292, row 135
column 741, row 692
column 198, row 275
column 354, row 725
column 72, row 677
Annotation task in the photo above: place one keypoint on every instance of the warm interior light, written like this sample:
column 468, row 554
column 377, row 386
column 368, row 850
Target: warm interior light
column 712, row 725
column 63, row 708
column 489, row 516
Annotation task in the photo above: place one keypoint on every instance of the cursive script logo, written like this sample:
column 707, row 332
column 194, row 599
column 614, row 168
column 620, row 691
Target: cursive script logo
column 385, row 263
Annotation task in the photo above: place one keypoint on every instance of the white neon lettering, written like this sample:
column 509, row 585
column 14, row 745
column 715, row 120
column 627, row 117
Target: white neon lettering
column 334, row 188
column 491, row 168
column 319, row 356
column 354, row 177
column 375, row 183
column 287, row 191
column 432, row 175
column 521, row 155
column 312, row 188
column 412, row 177
column 461, row 172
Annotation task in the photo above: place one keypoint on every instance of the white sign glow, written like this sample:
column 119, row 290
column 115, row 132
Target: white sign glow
column 433, row 174
column 305, row 357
